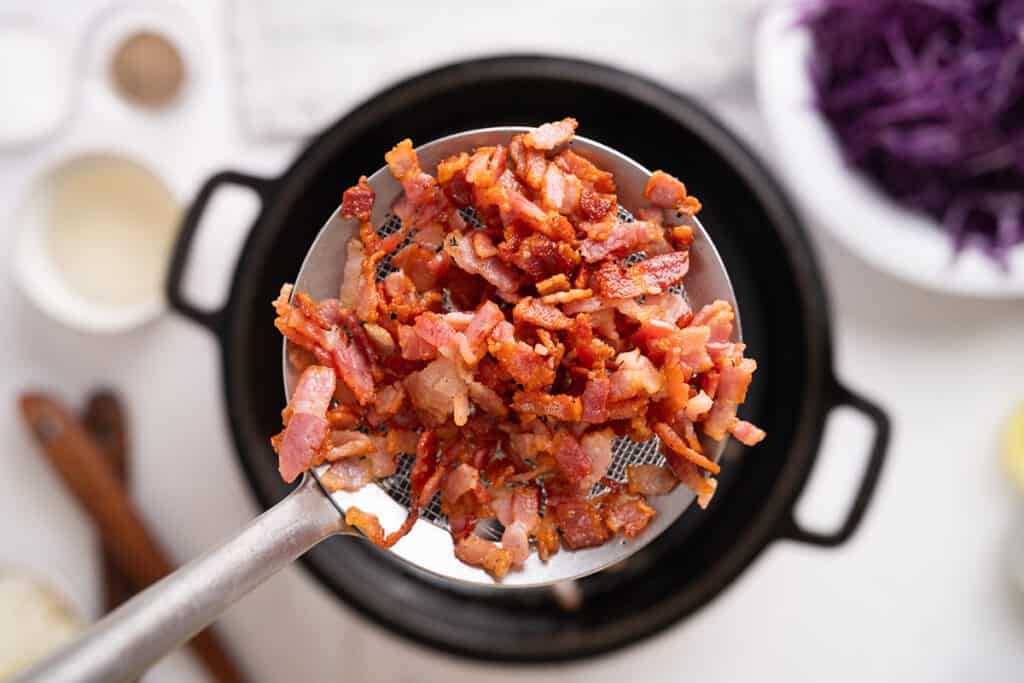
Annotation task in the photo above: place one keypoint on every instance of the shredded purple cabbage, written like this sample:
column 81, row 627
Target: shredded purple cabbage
column 927, row 98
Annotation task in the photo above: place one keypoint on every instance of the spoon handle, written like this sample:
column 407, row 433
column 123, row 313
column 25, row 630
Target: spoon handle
column 131, row 638
column 184, row 606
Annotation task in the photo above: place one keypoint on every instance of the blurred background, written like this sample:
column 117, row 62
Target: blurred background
column 866, row 162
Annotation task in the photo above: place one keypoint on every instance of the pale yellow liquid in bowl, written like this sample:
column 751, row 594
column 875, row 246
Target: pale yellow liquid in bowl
column 111, row 227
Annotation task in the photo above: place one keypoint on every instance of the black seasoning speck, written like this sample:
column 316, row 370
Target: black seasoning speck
column 452, row 242
column 519, row 386
column 394, row 316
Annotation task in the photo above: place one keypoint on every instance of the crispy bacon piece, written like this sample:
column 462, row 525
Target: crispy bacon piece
column 352, row 279
column 516, row 541
column 413, row 346
column 688, row 346
column 383, row 342
column 451, row 176
column 622, row 239
column 438, row 391
column 520, row 360
column 682, row 235
column 597, row 207
column 423, row 201
column 494, row 270
column 698, row 405
column 635, row 376
column 539, row 256
column 628, row 409
column 668, row 308
column 303, row 438
column 303, row 325
column 401, row 441
column 650, row 480
column 546, row 537
column 717, row 317
column 488, row 555
column 439, row 332
column 529, row 164
column 566, row 297
column 730, row 391
column 554, row 284
column 558, row 406
column 487, row 399
column 581, row 167
column 483, row 245
column 349, row 474
column 532, row 311
column 626, row 512
column 383, row 463
column 479, row 328
column 613, row 282
column 517, row 509
column 747, row 433
column 599, row 230
column 720, row 419
column 348, row 444
column 561, row 192
column 357, row 201
column 521, row 211
column 366, row 522
column 551, row 135
column 676, row 445
column 486, row 166
column 369, row 524
column 598, row 447
column 595, row 400
column 581, row 524
column 573, row 461
column 343, row 417
column 692, row 478
column 388, row 402
column 734, row 381
column 423, row 265
column 590, row 351
column 668, row 192
column 462, row 480
column 353, row 366
column 658, row 273
column 424, row 480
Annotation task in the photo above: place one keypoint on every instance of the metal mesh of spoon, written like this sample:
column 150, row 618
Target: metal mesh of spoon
column 129, row 640
column 429, row 545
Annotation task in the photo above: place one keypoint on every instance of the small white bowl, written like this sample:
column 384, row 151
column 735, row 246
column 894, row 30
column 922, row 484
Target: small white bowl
column 36, row 270
column 904, row 243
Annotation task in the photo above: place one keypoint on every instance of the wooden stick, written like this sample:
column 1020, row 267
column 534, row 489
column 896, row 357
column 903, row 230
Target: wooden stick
column 83, row 467
column 104, row 419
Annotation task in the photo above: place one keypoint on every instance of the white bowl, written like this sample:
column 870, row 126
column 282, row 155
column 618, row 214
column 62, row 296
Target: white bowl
column 904, row 243
column 37, row 273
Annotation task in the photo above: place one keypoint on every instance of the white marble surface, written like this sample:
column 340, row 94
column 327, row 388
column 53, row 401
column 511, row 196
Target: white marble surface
column 920, row 593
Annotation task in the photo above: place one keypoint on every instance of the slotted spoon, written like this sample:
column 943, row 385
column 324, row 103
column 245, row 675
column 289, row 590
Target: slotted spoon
column 126, row 642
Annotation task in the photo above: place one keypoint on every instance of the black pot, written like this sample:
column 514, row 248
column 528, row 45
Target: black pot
column 782, row 306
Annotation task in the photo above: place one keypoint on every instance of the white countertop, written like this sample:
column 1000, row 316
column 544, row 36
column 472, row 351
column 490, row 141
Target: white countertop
column 920, row 593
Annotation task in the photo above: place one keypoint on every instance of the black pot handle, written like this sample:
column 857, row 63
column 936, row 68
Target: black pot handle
column 844, row 397
column 211, row 320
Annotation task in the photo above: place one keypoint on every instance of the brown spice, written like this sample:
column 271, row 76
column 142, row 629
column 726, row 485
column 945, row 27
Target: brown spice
column 147, row 70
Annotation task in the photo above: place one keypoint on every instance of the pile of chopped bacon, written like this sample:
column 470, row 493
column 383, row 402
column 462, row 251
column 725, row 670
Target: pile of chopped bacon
column 508, row 355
